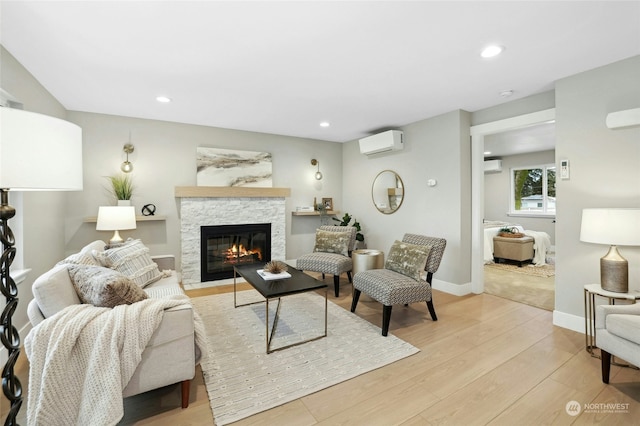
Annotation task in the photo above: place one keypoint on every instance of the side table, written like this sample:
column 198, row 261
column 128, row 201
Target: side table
column 365, row 259
column 590, row 293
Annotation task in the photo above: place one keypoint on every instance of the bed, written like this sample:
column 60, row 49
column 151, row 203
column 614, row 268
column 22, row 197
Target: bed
column 541, row 240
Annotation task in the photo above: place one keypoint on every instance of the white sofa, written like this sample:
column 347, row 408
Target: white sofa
column 171, row 355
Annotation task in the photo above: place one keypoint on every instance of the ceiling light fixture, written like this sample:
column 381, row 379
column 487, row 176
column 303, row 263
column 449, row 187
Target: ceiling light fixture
column 492, row 51
column 325, row 124
column 163, row 99
column 506, row 93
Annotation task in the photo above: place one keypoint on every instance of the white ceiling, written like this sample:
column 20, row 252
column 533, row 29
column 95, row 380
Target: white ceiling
column 283, row 67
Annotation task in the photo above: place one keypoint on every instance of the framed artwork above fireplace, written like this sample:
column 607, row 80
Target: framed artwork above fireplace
column 228, row 167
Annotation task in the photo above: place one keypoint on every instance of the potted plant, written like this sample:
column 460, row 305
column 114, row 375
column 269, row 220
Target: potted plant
column 346, row 221
column 122, row 188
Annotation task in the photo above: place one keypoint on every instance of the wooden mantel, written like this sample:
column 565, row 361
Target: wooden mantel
column 230, row 192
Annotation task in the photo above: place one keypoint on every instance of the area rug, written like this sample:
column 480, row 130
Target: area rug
column 532, row 290
column 242, row 380
column 538, row 271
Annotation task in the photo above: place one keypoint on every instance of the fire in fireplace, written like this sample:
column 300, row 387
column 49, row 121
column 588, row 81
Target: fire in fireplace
column 224, row 246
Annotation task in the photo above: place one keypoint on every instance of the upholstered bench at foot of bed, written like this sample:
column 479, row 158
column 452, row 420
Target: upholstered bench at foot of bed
column 516, row 249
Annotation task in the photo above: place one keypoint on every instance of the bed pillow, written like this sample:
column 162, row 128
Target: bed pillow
column 132, row 260
column 332, row 242
column 104, row 287
column 407, row 259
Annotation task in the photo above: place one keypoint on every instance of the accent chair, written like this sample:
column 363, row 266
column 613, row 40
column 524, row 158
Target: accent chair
column 401, row 282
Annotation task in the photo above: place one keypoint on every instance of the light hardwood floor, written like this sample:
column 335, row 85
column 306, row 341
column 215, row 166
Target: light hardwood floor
column 487, row 360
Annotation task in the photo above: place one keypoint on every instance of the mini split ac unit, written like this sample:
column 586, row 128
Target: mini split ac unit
column 493, row 166
column 391, row 140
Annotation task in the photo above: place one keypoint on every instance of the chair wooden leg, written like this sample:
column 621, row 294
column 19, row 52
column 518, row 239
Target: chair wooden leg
column 354, row 302
column 349, row 276
column 185, row 393
column 606, row 365
column 336, row 284
column 386, row 318
column 432, row 310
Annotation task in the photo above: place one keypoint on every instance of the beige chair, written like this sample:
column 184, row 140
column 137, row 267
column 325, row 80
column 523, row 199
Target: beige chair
column 331, row 254
column 399, row 283
column 618, row 334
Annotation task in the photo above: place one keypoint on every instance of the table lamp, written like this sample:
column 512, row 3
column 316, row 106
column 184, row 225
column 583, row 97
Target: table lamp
column 37, row 153
column 616, row 227
column 116, row 218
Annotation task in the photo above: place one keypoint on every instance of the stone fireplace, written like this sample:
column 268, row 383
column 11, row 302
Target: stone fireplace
column 217, row 206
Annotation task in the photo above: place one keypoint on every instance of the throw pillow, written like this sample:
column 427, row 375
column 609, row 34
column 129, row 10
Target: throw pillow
column 132, row 260
column 104, row 287
column 407, row 259
column 332, row 242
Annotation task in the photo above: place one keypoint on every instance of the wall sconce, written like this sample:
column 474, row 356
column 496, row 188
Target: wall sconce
column 127, row 166
column 315, row 162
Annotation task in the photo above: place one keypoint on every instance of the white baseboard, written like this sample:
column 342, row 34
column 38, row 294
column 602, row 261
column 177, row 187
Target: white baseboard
column 455, row 289
column 569, row 321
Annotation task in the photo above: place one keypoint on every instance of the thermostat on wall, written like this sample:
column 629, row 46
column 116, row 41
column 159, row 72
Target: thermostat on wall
column 564, row 169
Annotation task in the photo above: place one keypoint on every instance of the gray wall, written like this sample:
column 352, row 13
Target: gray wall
column 435, row 148
column 605, row 172
column 497, row 191
column 164, row 158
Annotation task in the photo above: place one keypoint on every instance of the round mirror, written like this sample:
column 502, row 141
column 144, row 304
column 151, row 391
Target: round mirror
column 387, row 192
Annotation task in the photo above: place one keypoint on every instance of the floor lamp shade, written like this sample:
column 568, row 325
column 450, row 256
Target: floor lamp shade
column 614, row 227
column 37, row 153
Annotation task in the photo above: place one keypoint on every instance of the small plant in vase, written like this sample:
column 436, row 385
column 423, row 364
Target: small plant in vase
column 122, row 188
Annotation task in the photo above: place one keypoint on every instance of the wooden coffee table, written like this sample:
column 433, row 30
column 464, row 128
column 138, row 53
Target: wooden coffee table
column 299, row 282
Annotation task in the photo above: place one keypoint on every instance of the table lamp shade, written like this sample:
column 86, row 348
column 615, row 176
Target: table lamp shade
column 116, row 218
column 38, row 152
column 615, row 227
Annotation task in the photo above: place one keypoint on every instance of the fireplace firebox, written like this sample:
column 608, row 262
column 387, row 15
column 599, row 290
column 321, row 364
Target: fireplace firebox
column 224, row 246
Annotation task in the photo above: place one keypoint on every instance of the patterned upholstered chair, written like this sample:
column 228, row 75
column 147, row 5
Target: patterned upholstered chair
column 331, row 254
column 400, row 282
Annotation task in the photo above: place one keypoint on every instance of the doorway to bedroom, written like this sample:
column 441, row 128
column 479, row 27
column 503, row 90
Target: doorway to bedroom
column 509, row 146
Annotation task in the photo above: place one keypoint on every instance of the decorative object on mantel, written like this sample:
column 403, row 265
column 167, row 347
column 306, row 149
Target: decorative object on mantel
column 228, row 167
column 41, row 153
column 122, row 188
column 149, row 210
column 327, row 203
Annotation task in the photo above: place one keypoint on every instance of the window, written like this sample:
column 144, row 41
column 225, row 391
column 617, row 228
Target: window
column 533, row 190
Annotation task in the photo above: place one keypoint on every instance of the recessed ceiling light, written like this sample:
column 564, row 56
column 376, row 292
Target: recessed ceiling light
column 506, row 93
column 487, row 152
column 163, row 99
column 325, row 124
column 492, row 51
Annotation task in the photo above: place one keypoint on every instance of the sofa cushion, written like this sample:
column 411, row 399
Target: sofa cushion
column 54, row 291
column 407, row 259
column 133, row 261
column 332, row 242
column 104, row 287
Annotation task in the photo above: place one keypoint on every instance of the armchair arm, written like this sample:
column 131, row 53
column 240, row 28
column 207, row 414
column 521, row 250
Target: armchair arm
column 603, row 310
column 165, row 261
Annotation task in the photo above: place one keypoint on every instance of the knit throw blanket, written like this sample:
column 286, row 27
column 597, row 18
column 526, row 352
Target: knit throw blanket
column 81, row 359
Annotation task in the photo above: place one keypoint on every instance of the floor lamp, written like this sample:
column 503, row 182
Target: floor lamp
column 37, row 153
